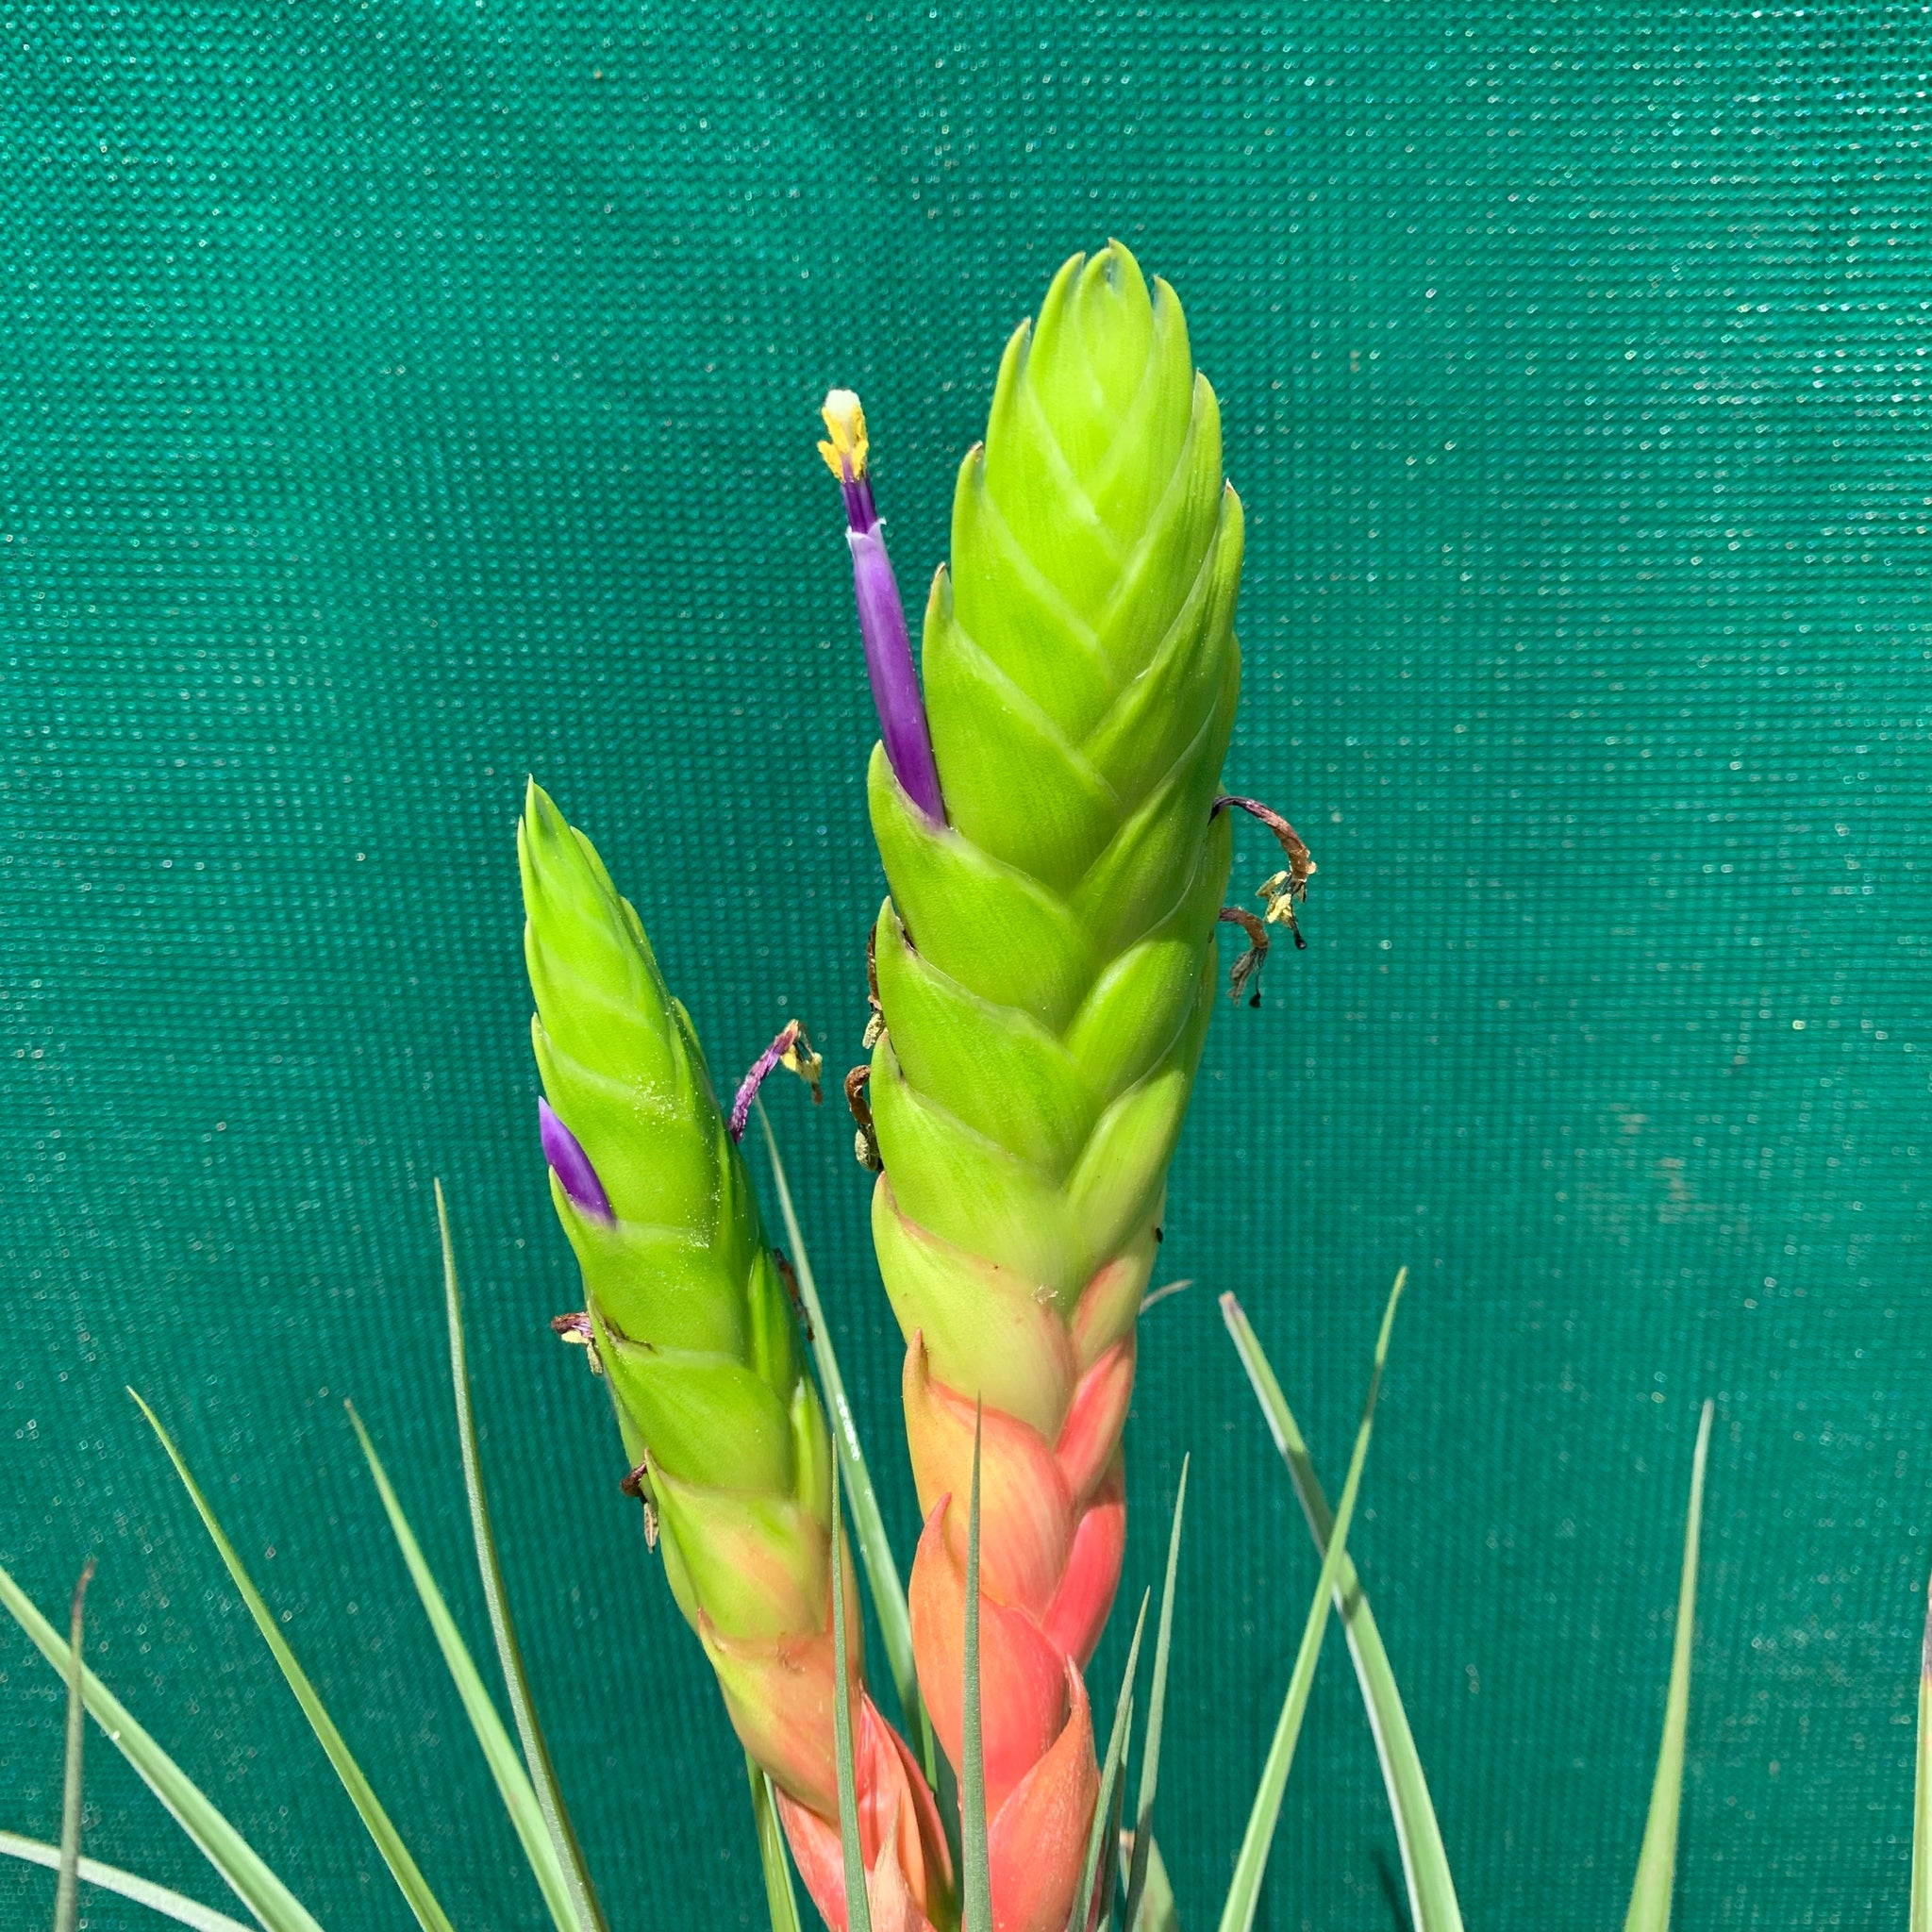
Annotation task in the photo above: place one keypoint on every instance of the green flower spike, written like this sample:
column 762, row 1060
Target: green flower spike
column 688, row 1317
column 1045, row 978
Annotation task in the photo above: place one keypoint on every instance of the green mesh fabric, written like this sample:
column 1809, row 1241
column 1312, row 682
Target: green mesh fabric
column 399, row 400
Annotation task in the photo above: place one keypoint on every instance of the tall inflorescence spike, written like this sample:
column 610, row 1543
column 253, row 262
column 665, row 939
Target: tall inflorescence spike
column 1040, row 1039
column 687, row 1315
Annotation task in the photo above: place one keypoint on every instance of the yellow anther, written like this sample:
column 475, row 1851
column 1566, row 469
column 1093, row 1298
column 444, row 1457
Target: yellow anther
column 1281, row 890
column 845, row 425
column 799, row 1058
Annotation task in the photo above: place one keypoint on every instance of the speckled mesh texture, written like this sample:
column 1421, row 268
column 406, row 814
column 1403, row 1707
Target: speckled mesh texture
column 398, row 399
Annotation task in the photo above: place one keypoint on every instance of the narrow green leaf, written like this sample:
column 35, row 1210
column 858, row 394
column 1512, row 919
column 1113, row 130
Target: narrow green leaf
column 1110, row 1808
column 395, row 1855
column 977, row 1891
column 586, row 1907
column 156, row 1898
column 67, row 1882
column 1157, row 1914
column 781, row 1902
column 1110, row 1774
column 1921, row 1919
column 1157, row 1707
column 239, row 1865
column 499, row 1747
column 874, row 1547
column 1656, row 1864
column 1432, row 1901
column 1245, row 1893
column 857, row 1903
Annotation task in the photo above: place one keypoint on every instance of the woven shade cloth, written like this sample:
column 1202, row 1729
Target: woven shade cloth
column 401, row 398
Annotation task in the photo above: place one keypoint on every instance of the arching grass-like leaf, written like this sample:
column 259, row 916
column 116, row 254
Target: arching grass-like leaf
column 585, row 1906
column 67, row 1880
column 499, row 1748
column 143, row 1891
column 1157, row 1708
column 781, row 1902
column 1920, row 1919
column 1432, row 1901
column 1157, row 1914
column 388, row 1841
column 1110, row 1774
column 1245, row 1893
column 857, row 1903
column 1108, row 1805
column 1656, row 1864
column 882, row 1577
column 239, row 1865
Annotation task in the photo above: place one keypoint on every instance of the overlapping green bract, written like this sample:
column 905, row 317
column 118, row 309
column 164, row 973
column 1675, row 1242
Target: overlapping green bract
column 1045, row 979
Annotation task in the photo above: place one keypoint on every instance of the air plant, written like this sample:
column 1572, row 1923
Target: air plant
column 1048, row 810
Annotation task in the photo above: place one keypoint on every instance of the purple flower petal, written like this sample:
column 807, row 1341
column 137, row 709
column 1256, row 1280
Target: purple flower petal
column 572, row 1165
column 881, row 616
column 895, row 690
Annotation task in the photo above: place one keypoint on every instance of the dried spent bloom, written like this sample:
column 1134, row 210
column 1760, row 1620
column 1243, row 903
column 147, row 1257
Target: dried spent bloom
column 791, row 1049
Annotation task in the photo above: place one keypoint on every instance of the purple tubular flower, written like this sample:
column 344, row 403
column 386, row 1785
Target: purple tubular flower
column 895, row 690
column 861, row 510
column 888, row 663
column 572, row 1165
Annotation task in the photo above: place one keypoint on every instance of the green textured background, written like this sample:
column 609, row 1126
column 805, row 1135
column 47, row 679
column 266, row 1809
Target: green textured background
column 396, row 398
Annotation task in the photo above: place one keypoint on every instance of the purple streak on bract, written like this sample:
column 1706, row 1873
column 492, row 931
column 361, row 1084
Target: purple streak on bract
column 888, row 663
column 572, row 1165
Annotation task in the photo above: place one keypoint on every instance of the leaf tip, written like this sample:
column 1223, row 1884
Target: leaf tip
column 1925, row 1648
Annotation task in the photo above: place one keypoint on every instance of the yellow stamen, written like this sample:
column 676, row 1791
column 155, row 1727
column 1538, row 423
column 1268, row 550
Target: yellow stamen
column 845, row 424
column 799, row 1058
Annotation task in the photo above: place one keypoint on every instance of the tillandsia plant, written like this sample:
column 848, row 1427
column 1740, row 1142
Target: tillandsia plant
column 1056, row 847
